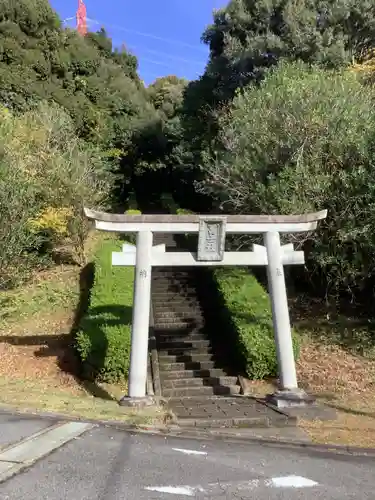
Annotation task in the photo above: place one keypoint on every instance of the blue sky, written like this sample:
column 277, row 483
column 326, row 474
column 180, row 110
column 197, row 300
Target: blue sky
column 164, row 34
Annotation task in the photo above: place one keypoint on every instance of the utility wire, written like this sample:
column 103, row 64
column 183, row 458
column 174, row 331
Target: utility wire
column 155, row 52
column 148, row 35
column 163, row 54
column 158, row 63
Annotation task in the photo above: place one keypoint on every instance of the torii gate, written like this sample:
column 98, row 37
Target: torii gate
column 210, row 252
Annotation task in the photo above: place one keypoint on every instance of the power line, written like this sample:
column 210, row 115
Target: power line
column 164, row 54
column 155, row 52
column 158, row 63
column 148, row 35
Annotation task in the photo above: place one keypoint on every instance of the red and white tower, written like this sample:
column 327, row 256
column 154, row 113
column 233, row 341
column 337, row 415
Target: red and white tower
column 81, row 17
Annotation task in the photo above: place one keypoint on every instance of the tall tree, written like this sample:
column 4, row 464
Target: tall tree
column 156, row 143
column 248, row 37
column 39, row 60
column 301, row 142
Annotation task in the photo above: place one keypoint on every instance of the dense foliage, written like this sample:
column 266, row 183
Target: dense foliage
column 282, row 120
column 46, row 174
column 39, row 60
column 301, row 142
column 248, row 37
column 71, row 107
column 305, row 137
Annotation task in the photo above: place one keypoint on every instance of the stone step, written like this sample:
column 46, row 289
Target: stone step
column 189, row 322
column 185, row 358
column 174, row 280
column 196, row 325
column 182, row 337
column 165, row 272
column 178, row 333
column 184, row 351
column 190, row 316
column 199, row 382
column 172, row 315
column 170, row 296
column 175, row 289
column 182, row 344
column 179, row 298
column 168, row 366
column 178, row 325
column 176, row 307
column 201, row 391
column 257, row 421
column 183, row 374
column 166, row 293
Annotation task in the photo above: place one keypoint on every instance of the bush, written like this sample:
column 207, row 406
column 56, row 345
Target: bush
column 103, row 339
column 249, row 309
column 304, row 141
column 46, row 175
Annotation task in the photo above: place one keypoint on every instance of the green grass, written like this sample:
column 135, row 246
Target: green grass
column 58, row 292
column 248, row 307
column 27, row 395
column 103, row 339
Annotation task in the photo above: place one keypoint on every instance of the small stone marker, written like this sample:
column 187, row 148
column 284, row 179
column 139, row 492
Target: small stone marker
column 211, row 240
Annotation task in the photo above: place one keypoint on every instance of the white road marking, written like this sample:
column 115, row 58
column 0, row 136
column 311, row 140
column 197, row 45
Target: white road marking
column 19, row 455
column 190, row 452
column 188, row 491
column 220, row 488
column 293, row 482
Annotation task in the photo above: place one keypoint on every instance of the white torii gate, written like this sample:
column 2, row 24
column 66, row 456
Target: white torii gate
column 210, row 252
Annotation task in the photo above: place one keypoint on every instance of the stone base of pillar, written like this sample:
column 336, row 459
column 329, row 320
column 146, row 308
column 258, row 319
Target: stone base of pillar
column 296, row 398
column 138, row 402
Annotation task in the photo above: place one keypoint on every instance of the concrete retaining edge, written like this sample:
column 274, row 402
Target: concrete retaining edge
column 155, row 373
column 193, row 433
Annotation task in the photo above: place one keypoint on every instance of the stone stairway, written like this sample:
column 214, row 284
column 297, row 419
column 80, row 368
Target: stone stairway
column 189, row 364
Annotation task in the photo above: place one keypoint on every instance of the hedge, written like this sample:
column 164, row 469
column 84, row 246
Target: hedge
column 103, row 339
column 249, row 310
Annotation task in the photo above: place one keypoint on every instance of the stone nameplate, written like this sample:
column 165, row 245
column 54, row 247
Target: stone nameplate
column 211, row 240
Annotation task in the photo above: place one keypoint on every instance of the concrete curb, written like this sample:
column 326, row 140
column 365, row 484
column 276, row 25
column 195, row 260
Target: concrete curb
column 209, row 435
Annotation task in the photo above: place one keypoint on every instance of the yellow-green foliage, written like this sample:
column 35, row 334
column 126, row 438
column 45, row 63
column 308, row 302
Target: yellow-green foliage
column 364, row 66
column 103, row 341
column 52, row 220
column 132, row 211
column 183, row 211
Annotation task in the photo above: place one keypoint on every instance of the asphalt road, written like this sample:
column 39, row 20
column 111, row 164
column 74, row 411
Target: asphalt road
column 108, row 464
